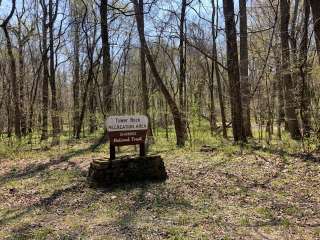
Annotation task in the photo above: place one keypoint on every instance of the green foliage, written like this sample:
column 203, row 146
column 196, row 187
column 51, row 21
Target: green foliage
column 207, row 192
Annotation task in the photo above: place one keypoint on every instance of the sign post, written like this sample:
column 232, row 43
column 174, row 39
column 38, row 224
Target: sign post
column 122, row 131
column 127, row 130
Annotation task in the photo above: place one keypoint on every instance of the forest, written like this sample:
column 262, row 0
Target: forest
column 231, row 91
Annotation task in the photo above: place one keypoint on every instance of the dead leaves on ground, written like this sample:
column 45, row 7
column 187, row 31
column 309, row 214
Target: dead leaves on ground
column 209, row 195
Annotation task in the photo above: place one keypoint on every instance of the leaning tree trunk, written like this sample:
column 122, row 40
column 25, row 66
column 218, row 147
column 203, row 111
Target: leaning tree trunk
column 233, row 72
column 290, row 109
column 178, row 122
column 245, row 86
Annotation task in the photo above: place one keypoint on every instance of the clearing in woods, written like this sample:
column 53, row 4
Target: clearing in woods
column 219, row 193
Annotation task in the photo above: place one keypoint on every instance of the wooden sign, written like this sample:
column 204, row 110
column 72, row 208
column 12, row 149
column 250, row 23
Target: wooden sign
column 127, row 130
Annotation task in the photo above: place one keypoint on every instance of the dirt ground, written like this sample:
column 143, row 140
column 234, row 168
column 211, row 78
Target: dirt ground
column 219, row 194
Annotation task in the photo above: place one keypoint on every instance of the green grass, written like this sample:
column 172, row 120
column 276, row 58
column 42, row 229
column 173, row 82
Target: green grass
column 232, row 193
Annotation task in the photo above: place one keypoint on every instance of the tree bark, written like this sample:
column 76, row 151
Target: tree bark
column 106, row 65
column 233, row 72
column 305, row 111
column 212, row 108
column 182, row 64
column 315, row 7
column 45, row 80
column 52, row 77
column 92, row 109
column 280, row 110
column 290, row 109
column 293, row 45
column 76, row 68
column 90, row 47
column 23, row 122
column 178, row 122
column 144, row 83
column 217, row 72
column 13, row 73
column 245, row 86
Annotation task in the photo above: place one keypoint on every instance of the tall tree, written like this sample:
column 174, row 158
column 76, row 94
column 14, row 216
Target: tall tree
column 245, row 86
column 53, row 11
column 144, row 84
column 178, row 122
column 233, row 72
column 22, row 39
column 290, row 108
column 45, row 72
column 214, row 19
column 75, row 18
column 90, row 32
column 13, row 71
column 106, row 65
column 305, row 95
column 182, row 64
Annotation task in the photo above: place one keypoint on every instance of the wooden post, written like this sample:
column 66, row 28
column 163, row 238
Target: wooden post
column 112, row 152
column 142, row 150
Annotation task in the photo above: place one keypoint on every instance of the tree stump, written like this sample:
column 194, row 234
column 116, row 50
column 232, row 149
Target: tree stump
column 104, row 173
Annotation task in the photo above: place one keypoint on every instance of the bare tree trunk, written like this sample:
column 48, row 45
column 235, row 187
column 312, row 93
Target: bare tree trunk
column 13, row 73
column 6, row 88
column 216, row 68
column 315, row 7
column 45, row 80
column 76, row 68
column 92, row 109
column 305, row 112
column 182, row 64
column 106, row 65
column 34, row 91
column 245, row 86
column 281, row 115
column 294, row 64
column 144, row 83
column 52, row 78
column 233, row 72
column 213, row 118
column 178, row 122
column 23, row 121
column 290, row 109
column 90, row 47
column 124, row 76
column 84, row 102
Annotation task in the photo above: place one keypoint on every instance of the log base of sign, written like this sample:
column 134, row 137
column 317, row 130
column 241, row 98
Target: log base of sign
column 104, row 173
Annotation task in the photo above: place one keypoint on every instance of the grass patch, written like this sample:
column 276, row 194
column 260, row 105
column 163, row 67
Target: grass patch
column 232, row 192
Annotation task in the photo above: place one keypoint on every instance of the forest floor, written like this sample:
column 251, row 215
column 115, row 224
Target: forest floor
column 227, row 193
